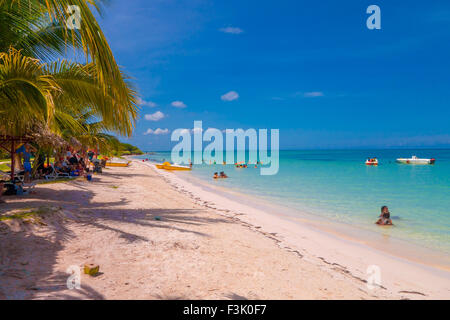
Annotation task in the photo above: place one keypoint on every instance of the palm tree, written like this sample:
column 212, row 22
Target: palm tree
column 26, row 93
column 38, row 94
column 81, row 93
column 24, row 26
column 54, row 94
column 32, row 31
column 93, row 133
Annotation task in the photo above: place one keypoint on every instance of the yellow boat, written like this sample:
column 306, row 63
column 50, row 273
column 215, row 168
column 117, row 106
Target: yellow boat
column 168, row 166
column 118, row 164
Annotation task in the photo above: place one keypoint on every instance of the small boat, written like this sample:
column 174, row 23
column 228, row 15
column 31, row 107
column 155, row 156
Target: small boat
column 372, row 162
column 117, row 164
column 175, row 167
column 415, row 160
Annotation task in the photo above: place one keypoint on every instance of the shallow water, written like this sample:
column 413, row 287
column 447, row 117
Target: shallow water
column 337, row 185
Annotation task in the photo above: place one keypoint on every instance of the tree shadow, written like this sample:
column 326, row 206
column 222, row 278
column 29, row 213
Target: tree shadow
column 234, row 296
column 27, row 259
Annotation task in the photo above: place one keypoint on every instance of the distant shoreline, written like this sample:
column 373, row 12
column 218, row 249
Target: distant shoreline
column 340, row 149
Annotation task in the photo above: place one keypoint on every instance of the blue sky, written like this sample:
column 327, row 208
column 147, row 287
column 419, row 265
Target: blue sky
column 309, row 68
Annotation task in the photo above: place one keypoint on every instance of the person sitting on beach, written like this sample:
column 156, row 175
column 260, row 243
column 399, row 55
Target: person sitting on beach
column 74, row 159
column 40, row 164
column 64, row 166
column 385, row 217
column 69, row 153
column 80, row 170
column 223, row 175
column 59, row 168
column 90, row 155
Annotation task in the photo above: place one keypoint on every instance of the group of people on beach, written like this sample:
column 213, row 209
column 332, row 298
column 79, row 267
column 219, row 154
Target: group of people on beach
column 69, row 162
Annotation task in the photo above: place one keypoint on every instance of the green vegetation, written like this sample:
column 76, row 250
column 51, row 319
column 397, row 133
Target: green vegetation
column 128, row 149
column 55, row 102
column 24, row 214
column 60, row 180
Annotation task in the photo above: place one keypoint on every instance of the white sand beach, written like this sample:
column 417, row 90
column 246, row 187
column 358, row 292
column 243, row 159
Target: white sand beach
column 155, row 236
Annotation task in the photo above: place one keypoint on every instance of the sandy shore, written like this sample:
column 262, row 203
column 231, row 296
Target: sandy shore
column 157, row 237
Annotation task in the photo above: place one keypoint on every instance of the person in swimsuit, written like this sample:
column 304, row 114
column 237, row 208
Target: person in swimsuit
column 385, row 217
column 26, row 150
column 223, row 175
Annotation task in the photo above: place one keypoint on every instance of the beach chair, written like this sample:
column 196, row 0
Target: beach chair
column 18, row 188
column 28, row 187
column 6, row 175
column 55, row 174
column 97, row 166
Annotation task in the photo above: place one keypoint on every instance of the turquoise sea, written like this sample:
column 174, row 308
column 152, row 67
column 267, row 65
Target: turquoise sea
column 337, row 185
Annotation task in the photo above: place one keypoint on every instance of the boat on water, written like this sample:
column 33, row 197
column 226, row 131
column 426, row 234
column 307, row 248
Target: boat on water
column 372, row 162
column 175, row 167
column 117, row 164
column 415, row 160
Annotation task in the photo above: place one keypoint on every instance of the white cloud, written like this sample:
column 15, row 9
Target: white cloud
column 230, row 96
column 195, row 130
column 157, row 132
column 232, row 30
column 158, row 115
column 144, row 103
column 313, row 94
column 178, row 104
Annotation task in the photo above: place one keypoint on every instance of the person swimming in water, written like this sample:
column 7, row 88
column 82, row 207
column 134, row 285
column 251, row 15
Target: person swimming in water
column 223, row 175
column 216, row 175
column 385, row 217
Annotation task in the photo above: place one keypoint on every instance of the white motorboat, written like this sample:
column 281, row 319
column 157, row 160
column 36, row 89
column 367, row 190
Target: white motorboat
column 415, row 160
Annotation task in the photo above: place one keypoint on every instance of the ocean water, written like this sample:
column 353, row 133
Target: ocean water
column 338, row 186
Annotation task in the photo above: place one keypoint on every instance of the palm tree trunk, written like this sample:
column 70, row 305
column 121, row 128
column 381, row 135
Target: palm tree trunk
column 13, row 151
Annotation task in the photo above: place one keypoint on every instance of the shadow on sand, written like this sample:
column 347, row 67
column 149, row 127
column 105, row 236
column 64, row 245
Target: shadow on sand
column 22, row 279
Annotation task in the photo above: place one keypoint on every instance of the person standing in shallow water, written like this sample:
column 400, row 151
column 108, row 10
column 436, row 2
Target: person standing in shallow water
column 385, row 217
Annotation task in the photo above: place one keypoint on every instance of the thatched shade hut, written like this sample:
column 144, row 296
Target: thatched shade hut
column 10, row 145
